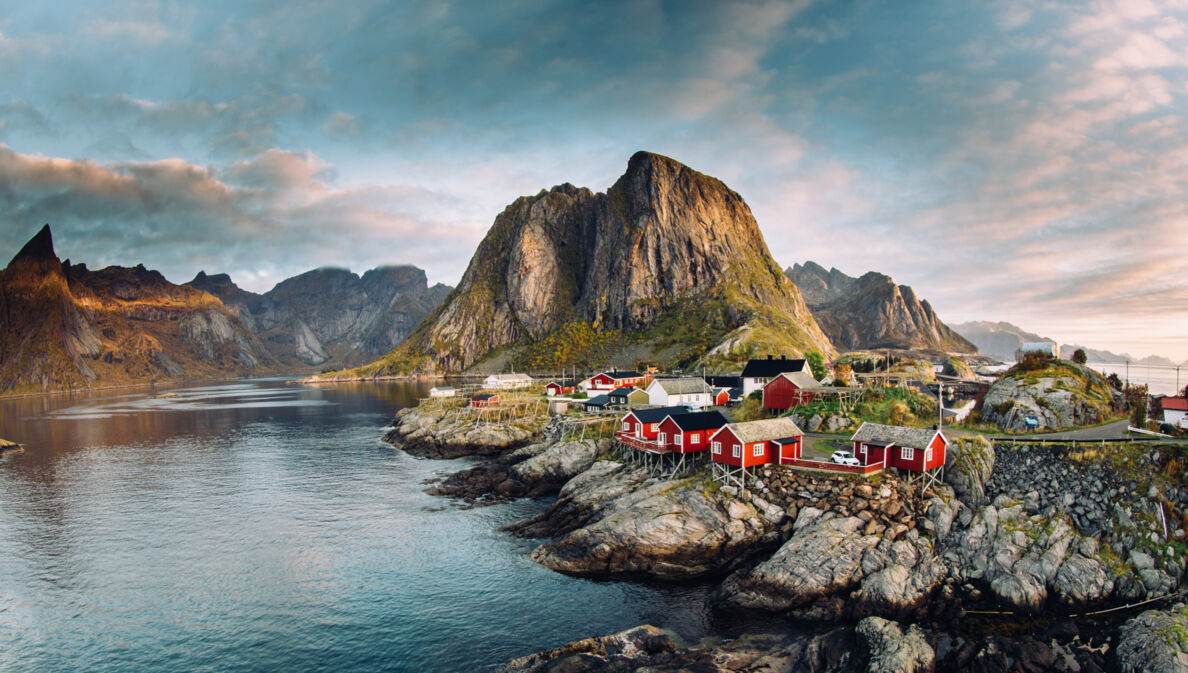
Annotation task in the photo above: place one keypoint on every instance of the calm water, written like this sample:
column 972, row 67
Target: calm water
column 262, row 526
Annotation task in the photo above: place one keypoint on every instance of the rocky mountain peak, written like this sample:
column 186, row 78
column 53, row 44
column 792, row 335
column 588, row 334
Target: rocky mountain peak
column 37, row 249
column 872, row 311
column 662, row 236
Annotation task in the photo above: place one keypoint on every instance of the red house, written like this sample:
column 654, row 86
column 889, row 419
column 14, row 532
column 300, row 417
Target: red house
column 738, row 446
column 484, row 400
column 722, row 397
column 645, row 423
column 918, row 450
column 614, row 379
column 790, row 389
column 560, row 388
column 690, row 433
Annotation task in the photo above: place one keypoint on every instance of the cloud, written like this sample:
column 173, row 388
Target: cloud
column 261, row 220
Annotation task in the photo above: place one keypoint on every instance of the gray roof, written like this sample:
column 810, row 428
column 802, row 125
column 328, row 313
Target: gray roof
column 766, row 430
column 803, row 380
column 511, row 377
column 683, row 386
column 916, row 438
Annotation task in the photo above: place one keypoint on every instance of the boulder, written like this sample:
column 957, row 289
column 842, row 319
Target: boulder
column 892, row 649
column 969, row 462
column 1154, row 642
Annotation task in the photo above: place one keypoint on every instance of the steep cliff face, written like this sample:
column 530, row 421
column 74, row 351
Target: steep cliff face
column 64, row 326
column 663, row 242
column 873, row 312
column 332, row 314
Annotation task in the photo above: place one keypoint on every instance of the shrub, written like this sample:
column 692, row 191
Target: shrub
column 1079, row 356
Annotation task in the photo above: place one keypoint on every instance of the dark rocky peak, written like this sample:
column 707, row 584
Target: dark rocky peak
column 39, row 248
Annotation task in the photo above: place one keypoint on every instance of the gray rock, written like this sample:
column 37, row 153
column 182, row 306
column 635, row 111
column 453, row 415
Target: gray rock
column 969, row 462
column 891, row 649
column 1154, row 642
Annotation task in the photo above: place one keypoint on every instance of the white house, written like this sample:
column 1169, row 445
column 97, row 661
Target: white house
column 759, row 373
column 507, row 381
column 1175, row 411
column 442, row 391
column 687, row 392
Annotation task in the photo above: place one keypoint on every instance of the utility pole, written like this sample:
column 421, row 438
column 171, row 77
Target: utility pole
column 940, row 404
column 1128, row 373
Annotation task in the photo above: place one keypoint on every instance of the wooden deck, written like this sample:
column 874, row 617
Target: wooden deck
column 828, row 466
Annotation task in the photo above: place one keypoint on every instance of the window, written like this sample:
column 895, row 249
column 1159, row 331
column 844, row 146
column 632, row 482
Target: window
column 759, row 449
column 737, row 451
column 907, row 453
column 676, row 439
column 626, row 426
column 717, row 446
column 655, row 426
column 694, row 438
column 663, row 437
column 928, row 455
column 862, row 450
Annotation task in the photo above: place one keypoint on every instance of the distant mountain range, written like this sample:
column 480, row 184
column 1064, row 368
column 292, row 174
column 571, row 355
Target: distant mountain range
column 332, row 316
column 1002, row 339
column 64, row 326
column 873, row 312
column 666, row 265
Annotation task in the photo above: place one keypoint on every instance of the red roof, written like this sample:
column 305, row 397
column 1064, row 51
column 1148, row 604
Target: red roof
column 1175, row 403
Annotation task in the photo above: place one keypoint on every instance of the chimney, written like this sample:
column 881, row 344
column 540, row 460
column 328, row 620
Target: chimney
column 783, row 357
column 769, row 356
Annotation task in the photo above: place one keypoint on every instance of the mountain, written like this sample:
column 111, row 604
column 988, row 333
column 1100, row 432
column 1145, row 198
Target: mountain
column 999, row 339
column 662, row 267
column 873, row 312
column 332, row 315
column 64, row 326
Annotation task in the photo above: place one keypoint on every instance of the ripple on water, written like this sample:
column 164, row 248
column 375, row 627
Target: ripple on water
column 260, row 526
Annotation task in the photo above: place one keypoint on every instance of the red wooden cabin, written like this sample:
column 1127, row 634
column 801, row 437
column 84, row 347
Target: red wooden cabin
column 690, row 433
column 484, row 400
column 722, row 397
column 914, row 449
column 616, row 379
column 645, row 423
column 738, row 446
column 560, row 388
column 789, row 389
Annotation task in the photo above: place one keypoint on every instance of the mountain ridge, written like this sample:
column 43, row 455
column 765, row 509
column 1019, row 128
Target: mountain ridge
column 663, row 240
column 872, row 311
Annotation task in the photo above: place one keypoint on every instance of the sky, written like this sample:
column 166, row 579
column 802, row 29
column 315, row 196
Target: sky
column 1018, row 161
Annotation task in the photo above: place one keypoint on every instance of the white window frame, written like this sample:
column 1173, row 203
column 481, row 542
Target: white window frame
column 678, row 439
column 928, row 455
column 695, row 437
column 862, row 449
column 626, row 426
column 907, row 453
column 655, row 427
column 738, row 450
column 757, row 452
column 717, row 447
column 663, row 438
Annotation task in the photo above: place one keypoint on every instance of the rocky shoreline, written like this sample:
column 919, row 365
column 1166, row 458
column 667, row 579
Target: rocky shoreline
column 1029, row 532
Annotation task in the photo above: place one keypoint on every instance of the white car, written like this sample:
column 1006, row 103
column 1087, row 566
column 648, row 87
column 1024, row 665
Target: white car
column 844, row 458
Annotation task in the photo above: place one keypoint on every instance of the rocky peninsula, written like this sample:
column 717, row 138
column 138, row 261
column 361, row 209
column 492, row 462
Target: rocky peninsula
column 1001, row 564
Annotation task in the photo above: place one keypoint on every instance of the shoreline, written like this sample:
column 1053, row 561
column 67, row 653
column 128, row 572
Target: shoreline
column 592, row 529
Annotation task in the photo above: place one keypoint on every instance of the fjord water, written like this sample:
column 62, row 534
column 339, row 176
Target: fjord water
column 263, row 526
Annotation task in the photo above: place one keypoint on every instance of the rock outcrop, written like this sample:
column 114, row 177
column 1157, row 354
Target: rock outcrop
column 664, row 529
column 665, row 242
column 873, row 312
column 332, row 315
column 1154, row 642
column 64, row 326
column 1060, row 396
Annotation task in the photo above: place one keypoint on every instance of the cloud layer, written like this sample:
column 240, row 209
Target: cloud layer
column 1011, row 160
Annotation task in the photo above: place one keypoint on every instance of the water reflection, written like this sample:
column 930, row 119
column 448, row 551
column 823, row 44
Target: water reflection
column 262, row 525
